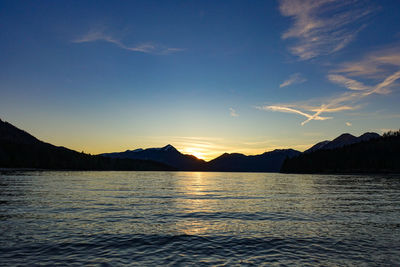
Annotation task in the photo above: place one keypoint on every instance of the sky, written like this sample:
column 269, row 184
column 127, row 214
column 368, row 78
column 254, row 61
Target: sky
column 207, row 77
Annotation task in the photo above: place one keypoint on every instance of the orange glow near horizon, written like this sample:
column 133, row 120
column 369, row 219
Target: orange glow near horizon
column 197, row 152
column 205, row 148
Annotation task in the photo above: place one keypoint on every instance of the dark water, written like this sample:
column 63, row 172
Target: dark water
column 183, row 218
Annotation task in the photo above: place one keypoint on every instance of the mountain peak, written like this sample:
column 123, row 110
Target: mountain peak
column 168, row 148
column 340, row 141
column 367, row 136
column 344, row 136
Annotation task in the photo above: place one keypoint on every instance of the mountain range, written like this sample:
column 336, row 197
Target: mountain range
column 168, row 155
column 266, row 162
column 370, row 154
column 19, row 149
column 341, row 141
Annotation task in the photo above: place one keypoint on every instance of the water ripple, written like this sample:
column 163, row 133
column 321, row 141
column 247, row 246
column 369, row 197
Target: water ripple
column 198, row 219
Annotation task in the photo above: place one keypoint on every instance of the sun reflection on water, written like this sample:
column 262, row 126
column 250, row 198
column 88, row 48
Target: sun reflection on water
column 196, row 200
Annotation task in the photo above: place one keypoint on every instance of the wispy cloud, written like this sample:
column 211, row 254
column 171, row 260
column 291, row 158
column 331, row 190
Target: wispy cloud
column 383, row 73
column 338, row 103
column 233, row 112
column 147, row 47
column 376, row 64
column 383, row 65
column 330, row 106
column 383, row 87
column 348, row 83
column 334, row 109
column 296, row 111
column 322, row 27
column 295, row 78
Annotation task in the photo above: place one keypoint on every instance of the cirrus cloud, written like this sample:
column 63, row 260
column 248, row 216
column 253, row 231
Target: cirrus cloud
column 322, row 27
column 341, row 102
column 348, row 83
column 375, row 64
column 295, row 78
column 287, row 109
column 147, row 47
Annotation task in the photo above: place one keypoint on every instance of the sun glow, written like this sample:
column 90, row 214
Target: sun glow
column 195, row 151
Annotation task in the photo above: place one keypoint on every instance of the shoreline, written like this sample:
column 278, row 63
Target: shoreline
column 304, row 173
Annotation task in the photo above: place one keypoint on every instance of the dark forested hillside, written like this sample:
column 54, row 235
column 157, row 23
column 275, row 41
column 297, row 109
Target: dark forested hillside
column 266, row 162
column 372, row 156
column 341, row 141
column 346, row 154
column 18, row 149
column 168, row 155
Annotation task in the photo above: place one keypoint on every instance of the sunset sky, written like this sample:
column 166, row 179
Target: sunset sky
column 205, row 76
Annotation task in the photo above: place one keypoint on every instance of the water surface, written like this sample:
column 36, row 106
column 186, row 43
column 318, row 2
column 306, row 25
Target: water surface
column 184, row 218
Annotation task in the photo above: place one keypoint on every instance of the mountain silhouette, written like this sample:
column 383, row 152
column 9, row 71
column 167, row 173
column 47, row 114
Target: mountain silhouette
column 266, row 162
column 369, row 153
column 10, row 133
column 367, row 137
column 168, row 155
column 19, row 149
column 317, row 146
column 235, row 162
column 341, row 141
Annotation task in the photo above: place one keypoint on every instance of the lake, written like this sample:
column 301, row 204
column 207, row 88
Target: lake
column 198, row 218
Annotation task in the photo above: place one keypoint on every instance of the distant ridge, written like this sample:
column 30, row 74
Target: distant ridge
column 19, row 149
column 341, row 141
column 168, row 155
column 348, row 154
column 266, row 162
column 235, row 162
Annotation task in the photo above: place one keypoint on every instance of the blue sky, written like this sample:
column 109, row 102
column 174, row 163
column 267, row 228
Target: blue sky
column 206, row 76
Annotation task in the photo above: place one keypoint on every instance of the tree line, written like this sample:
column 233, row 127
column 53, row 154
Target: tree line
column 380, row 155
